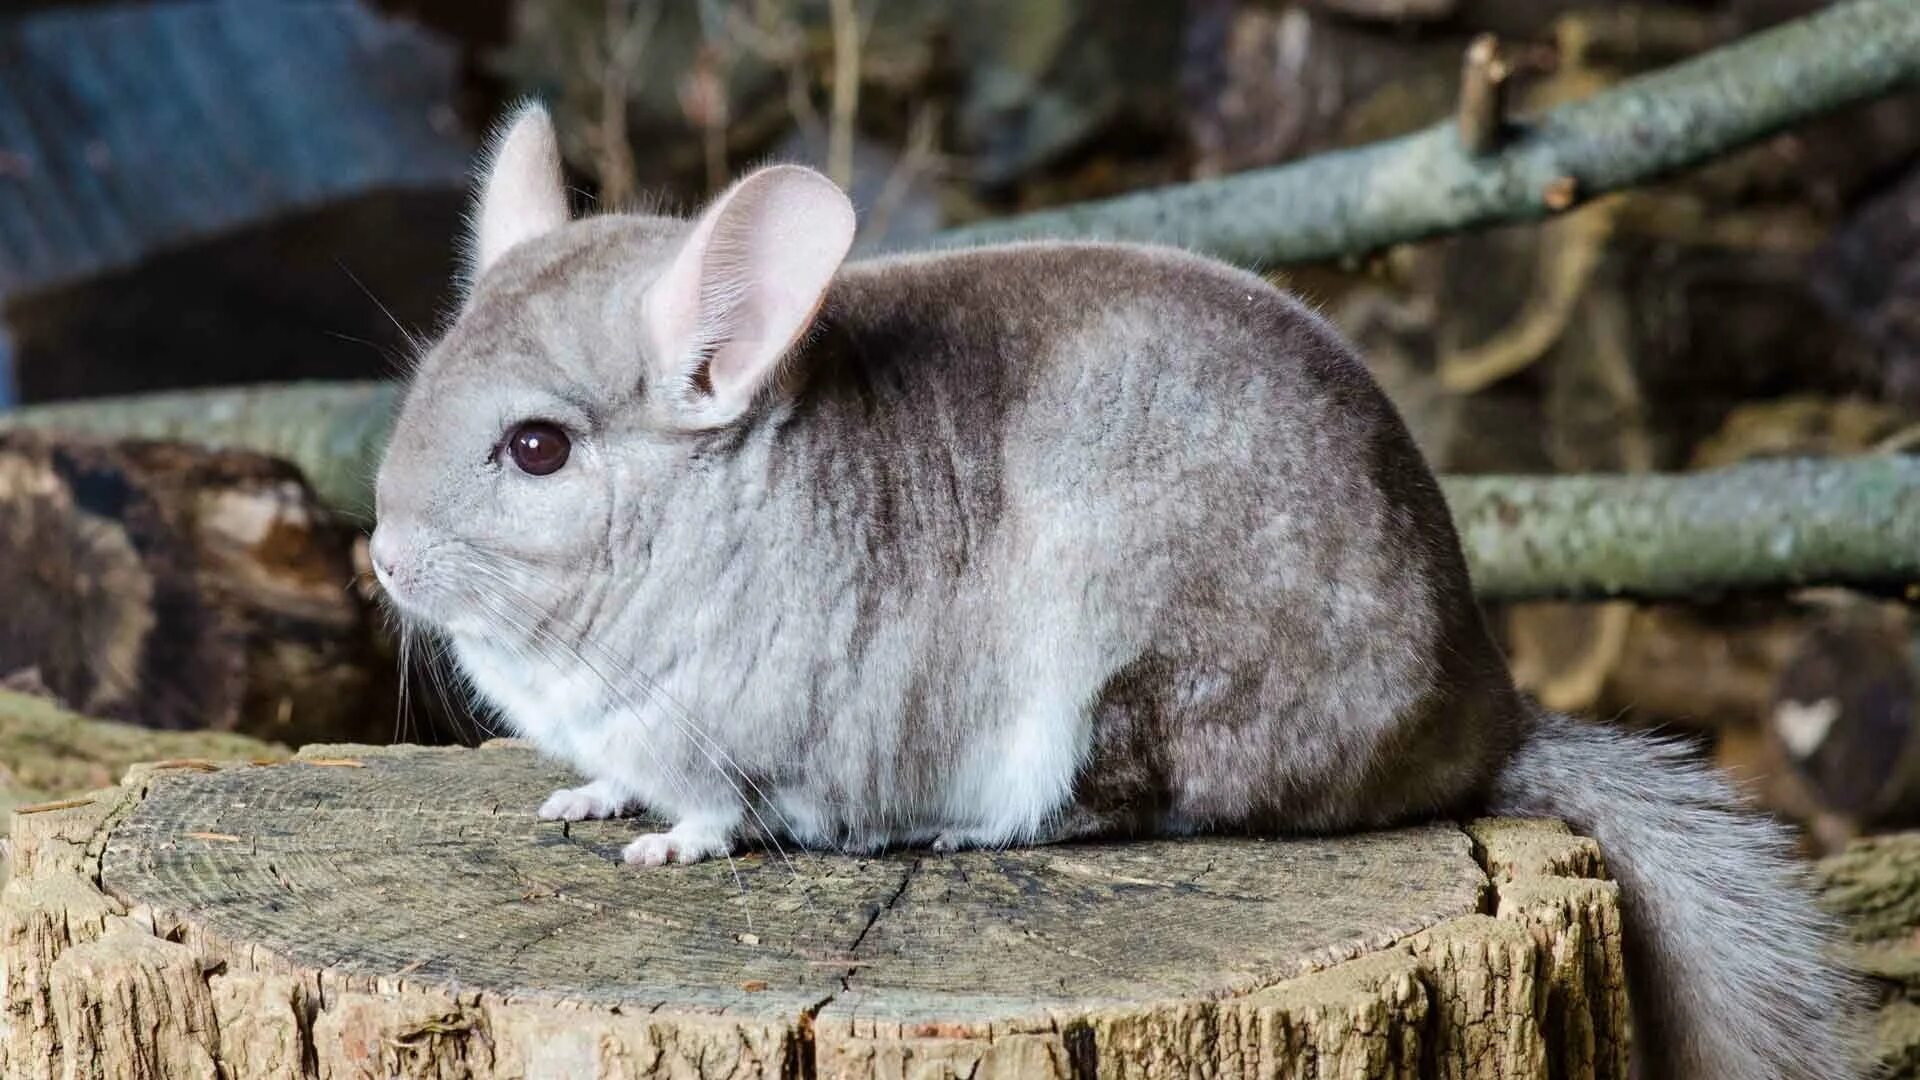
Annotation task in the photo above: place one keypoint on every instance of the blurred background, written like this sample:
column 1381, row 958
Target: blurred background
column 200, row 194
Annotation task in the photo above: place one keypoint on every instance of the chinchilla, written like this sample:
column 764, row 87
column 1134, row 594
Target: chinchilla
column 1006, row 546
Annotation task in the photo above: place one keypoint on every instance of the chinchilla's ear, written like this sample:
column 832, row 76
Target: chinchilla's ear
column 522, row 193
column 743, row 288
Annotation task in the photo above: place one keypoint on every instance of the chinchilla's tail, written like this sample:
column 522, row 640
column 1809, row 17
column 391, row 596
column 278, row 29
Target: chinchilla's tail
column 1729, row 962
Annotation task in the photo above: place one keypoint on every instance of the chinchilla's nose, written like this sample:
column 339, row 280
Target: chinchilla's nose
column 388, row 551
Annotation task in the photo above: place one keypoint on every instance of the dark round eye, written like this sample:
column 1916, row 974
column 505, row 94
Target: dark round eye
column 538, row 448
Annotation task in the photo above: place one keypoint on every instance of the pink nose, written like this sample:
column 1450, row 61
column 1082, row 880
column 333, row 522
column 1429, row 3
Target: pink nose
column 385, row 551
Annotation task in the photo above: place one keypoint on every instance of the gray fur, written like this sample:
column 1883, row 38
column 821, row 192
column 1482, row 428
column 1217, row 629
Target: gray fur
column 1026, row 543
column 1730, row 964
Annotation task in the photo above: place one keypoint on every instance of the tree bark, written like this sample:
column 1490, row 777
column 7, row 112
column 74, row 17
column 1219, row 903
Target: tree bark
column 1355, row 201
column 334, row 431
column 365, row 911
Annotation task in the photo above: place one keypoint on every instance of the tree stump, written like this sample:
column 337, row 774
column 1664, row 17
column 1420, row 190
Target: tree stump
column 380, row 912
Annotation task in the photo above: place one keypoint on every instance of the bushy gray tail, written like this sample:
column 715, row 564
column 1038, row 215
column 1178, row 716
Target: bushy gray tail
column 1730, row 964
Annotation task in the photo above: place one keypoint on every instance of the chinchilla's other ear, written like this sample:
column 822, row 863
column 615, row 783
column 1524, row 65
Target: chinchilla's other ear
column 522, row 193
column 742, row 290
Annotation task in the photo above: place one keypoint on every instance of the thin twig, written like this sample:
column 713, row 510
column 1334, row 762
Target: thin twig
column 920, row 157
column 846, row 92
column 1483, row 96
column 1907, row 438
column 1582, row 241
column 629, row 26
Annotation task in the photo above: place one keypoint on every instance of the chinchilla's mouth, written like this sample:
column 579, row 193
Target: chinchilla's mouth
column 415, row 601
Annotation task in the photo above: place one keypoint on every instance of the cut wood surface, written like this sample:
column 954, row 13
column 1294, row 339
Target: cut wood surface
column 363, row 912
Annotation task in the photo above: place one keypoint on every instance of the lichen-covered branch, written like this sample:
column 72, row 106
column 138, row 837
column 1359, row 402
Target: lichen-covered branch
column 1764, row 525
column 1354, row 201
column 1767, row 525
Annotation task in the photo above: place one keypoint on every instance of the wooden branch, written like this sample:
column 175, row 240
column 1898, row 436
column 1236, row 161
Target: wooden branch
column 411, row 917
column 1770, row 525
column 1764, row 525
column 1354, row 201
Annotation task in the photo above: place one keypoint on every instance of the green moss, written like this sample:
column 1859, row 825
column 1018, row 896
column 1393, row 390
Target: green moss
column 1897, row 1038
column 1875, row 886
column 48, row 753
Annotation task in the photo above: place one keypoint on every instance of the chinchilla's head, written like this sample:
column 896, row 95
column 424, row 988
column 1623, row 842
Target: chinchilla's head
column 592, row 360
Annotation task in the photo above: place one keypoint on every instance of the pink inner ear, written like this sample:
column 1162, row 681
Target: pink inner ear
column 671, row 309
column 749, row 280
column 524, row 195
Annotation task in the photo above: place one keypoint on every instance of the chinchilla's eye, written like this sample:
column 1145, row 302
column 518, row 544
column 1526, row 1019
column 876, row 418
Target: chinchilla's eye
column 538, row 447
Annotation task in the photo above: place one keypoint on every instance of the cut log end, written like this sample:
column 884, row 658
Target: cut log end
column 411, row 916
column 182, row 588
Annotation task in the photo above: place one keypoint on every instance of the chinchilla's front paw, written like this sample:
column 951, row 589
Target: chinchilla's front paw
column 686, row 843
column 596, row 800
column 961, row 840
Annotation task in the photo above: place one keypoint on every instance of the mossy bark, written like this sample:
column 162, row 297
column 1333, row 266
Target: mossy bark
column 1761, row 525
column 1874, row 885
